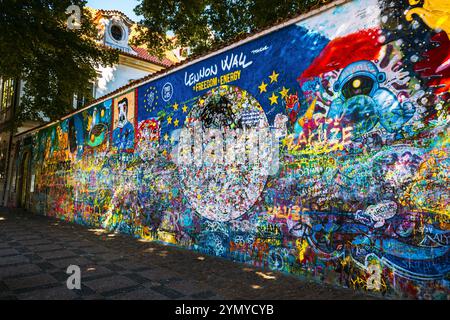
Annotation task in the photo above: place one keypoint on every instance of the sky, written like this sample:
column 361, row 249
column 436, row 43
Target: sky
column 126, row 6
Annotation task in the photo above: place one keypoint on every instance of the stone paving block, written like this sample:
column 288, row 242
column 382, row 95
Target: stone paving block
column 34, row 258
column 22, row 249
column 35, row 242
column 70, row 242
column 108, row 256
column 169, row 293
column 8, row 252
column 60, row 275
column 109, row 284
column 30, row 282
column 57, row 293
column 86, row 291
column 26, row 237
column 140, row 294
column 95, row 259
column 77, row 251
column 157, row 274
column 46, row 266
column 114, row 267
column 12, row 271
column 49, row 255
column 3, row 287
column 31, row 242
column 64, row 263
column 114, row 292
column 14, row 244
column 94, row 250
column 91, row 271
column 132, row 265
column 84, row 244
column 19, row 259
column 46, row 247
column 187, row 287
column 136, row 277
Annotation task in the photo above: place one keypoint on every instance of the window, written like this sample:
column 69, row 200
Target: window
column 116, row 32
column 6, row 97
column 81, row 101
column 7, row 94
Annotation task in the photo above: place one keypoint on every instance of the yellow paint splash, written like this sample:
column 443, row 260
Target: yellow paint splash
column 435, row 13
column 302, row 246
column 308, row 114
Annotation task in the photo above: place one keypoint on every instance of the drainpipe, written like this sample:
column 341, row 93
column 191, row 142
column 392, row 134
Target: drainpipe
column 11, row 135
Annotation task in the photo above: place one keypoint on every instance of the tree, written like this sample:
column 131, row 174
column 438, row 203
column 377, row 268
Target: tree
column 54, row 61
column 201, row 24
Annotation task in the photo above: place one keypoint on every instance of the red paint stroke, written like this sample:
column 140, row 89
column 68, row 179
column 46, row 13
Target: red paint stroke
column 436, row 64
column 342, row 51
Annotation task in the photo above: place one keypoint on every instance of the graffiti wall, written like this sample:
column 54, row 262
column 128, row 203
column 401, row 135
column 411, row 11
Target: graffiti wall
column 319, row 149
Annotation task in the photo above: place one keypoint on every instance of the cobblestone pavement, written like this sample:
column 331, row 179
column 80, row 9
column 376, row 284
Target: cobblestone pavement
column 35, row 252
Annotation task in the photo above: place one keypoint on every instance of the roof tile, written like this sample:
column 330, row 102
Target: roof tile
column 143, row 53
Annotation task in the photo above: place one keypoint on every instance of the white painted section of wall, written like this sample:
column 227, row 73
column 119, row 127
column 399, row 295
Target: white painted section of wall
column 345, row 19
column 115, row 77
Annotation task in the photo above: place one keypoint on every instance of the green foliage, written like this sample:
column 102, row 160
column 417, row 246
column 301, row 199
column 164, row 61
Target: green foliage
column 54, row 61
column 201, row 24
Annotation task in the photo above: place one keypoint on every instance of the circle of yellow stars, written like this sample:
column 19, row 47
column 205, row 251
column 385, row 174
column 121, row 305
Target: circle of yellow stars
column 150, row 108
column 274, row 98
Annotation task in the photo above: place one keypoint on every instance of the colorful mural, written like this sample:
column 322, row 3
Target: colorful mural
column 319, row 149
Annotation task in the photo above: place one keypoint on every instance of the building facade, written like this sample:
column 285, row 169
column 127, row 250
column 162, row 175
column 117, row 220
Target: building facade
column 8, row 90
column 318, row 147
column 116, row 30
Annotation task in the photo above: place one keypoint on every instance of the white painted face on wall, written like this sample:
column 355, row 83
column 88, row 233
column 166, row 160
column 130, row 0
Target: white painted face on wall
column 123, row 110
